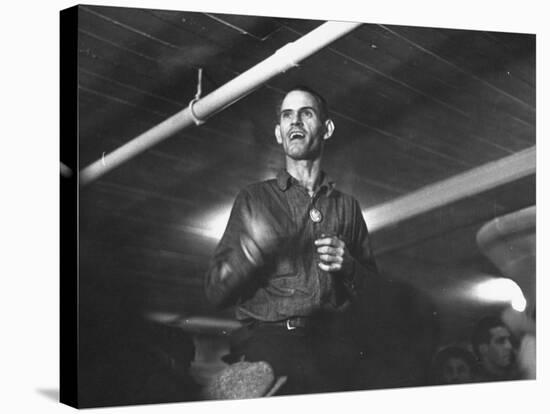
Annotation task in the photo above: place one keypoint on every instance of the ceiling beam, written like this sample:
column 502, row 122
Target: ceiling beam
column 470, row 183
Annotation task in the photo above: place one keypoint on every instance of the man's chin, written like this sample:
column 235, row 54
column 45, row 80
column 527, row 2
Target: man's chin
column 300, row 155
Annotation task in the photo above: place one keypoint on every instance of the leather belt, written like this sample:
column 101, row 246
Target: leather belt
column 289, row 324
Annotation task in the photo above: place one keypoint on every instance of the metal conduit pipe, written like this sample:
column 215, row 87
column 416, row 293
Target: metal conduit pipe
column 283, row 59
column 467, row 184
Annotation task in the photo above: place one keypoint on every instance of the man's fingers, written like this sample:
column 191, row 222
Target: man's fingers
column 331, row 252
column 324, row 267
column 330, row 268
column 327, row 258
column 335, row 251
column 329, row 241
column 325, row 241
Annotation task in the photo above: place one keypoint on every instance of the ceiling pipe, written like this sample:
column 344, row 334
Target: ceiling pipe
column 467, row 184
column 198, row 111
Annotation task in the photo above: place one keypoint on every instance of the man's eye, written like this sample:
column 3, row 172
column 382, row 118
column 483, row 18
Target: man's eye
column 307, row 114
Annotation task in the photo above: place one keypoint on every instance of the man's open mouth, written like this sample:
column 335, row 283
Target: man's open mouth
column 296, row 135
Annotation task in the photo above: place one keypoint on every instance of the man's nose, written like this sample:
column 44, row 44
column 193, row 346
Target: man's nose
column 296, row 119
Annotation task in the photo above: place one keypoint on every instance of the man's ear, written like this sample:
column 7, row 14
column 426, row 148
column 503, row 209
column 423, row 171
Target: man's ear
column 278, row 134
column 329, row 128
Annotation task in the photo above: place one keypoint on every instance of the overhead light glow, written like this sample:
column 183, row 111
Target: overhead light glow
column 212, row 225
column 501, row 290
column 218, row 222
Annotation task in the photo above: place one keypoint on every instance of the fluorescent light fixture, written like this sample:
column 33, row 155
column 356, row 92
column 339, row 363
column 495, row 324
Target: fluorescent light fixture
column 450, row 190
column 500, row 290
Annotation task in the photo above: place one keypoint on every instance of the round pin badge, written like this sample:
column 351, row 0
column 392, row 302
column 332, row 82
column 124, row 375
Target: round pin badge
column 315, row 215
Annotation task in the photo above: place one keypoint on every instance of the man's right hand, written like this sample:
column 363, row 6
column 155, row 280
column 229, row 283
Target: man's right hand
column 262, row 237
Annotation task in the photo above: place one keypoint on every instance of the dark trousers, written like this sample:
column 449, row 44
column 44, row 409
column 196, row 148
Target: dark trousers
column 312, row 361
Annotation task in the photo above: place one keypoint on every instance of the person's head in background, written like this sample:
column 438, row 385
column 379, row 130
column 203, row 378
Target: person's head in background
column 453, row 365
column 492, row 344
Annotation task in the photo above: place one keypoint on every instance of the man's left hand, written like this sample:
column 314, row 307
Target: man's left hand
column 333, row 254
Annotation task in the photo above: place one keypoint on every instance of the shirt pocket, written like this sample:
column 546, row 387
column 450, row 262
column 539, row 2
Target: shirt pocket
column 287, row 278
column 282, row 286
column 284, row 268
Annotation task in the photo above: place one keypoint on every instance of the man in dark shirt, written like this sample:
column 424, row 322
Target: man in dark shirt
column 294, row 254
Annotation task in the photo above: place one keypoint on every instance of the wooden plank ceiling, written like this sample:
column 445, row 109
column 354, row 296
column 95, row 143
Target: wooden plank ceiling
column 412, row 106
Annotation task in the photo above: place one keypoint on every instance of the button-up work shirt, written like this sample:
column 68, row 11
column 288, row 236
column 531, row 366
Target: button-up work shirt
column 285, row 280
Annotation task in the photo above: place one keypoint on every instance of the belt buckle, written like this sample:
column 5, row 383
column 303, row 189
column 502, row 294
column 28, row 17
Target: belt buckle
column 288, row 326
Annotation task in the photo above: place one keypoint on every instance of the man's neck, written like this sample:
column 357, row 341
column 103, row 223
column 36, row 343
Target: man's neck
column 307, row 172
column 495, row 371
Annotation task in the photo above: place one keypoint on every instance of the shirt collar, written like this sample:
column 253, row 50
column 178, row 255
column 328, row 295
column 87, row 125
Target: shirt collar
column 284, row 181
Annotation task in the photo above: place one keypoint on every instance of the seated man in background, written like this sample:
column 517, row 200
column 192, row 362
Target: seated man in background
column 492, row 344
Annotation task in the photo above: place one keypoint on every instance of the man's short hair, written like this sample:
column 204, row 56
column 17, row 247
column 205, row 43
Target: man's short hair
column 321, row 101
column 482, row 331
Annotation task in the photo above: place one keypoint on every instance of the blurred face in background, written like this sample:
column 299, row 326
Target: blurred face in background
column 499, row 352
column 456, row 371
